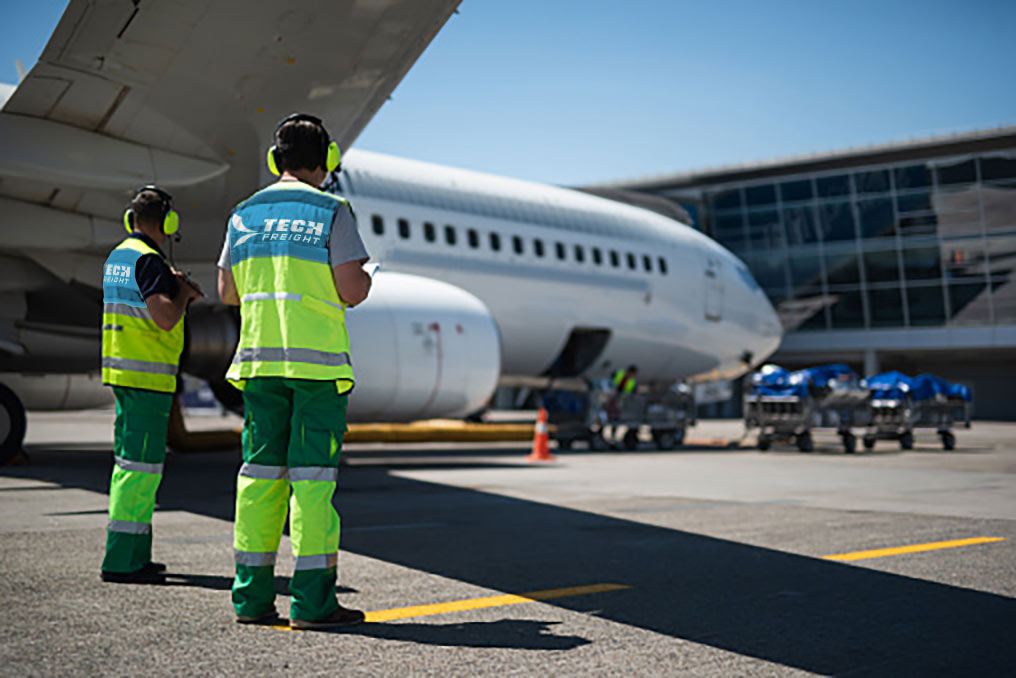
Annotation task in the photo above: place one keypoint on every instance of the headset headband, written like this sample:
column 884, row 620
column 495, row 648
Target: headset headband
column 166, row 198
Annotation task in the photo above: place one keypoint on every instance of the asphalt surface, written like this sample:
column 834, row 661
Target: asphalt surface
column 720, row 550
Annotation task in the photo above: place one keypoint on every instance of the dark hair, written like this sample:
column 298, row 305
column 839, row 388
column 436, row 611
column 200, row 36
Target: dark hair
column 299, row 144
column 148, row 207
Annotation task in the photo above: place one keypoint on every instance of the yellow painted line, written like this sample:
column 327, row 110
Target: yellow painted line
column 481, row 603
column 913, row 548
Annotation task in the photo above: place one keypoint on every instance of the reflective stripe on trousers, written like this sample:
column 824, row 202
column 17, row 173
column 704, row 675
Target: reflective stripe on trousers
column 140, row 467
column 129, row 527
column 254, row 558
column 319, row 562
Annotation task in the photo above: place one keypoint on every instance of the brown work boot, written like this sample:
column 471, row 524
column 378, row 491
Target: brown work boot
column 341, row 617
column 266, row 619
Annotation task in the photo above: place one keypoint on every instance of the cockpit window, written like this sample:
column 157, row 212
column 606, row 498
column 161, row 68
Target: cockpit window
column 746, row 277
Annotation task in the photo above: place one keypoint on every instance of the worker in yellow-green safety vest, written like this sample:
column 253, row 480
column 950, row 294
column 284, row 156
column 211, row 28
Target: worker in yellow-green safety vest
column 625, row 381
column 143, row 305
column 293, row 261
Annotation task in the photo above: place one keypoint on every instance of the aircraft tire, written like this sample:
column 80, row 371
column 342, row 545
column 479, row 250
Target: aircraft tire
column 12, row 424
column 228, row 396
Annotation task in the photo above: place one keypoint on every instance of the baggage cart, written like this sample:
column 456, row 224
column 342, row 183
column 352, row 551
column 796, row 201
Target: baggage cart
column 789, row 406
column 900, row 404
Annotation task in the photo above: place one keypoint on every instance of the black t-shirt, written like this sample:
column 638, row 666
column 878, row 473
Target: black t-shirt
column 152, row 273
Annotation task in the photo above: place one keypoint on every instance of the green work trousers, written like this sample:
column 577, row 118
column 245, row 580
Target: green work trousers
column 139, row 450
column 292, row 437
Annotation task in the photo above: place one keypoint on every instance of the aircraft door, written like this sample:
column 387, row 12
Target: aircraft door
column 713, row 298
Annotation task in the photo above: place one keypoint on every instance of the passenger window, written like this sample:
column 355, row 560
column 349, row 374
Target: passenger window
column 449, row 235
column 615, row 260
column 403, row 228
column 663, row 265
column 580, row 254
column 647, row 263
column 597, row 256
column 473, row 237
column 495, row 242
column 538, row 247
column 631, row 261
column 378, row 224
column 517, row 244
column 559, row 246
column 429, row 233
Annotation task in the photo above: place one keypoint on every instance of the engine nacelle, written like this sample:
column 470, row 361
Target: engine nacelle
column 421, row 348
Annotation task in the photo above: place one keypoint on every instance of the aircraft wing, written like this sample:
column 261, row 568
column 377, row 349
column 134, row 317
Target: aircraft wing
column 185, row 93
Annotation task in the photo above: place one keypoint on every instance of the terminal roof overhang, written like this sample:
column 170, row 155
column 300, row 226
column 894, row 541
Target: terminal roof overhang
column 920, row 149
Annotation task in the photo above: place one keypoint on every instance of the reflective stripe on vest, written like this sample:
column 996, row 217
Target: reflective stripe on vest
column 135, row 351
column 319, row 562
column 139, row 466
column 292, row 320
column 254, row 558
column 129, row 527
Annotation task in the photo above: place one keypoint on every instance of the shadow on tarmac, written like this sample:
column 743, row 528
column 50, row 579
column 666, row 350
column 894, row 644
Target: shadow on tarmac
column 522, row 634
column 812, row 614
column 220, row 583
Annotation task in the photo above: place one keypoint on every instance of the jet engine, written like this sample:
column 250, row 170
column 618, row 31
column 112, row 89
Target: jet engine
column 421, row 349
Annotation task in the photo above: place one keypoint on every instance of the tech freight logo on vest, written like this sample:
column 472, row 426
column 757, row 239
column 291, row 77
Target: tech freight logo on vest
column 117, row 274
column 292, row 230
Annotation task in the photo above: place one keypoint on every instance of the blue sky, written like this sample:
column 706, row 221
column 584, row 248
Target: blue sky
column 581, row 91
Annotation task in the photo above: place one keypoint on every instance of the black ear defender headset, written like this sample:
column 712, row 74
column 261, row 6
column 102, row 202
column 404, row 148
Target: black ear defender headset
column 170, row 219
column 330, row 155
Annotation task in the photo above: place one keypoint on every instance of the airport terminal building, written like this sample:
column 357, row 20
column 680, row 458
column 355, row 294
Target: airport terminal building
column 899, row 256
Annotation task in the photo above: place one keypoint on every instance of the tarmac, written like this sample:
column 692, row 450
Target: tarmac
column 710, row 560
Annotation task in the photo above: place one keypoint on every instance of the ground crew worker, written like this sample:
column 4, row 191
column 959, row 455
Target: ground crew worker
column 292, row 260
column 624, row 382
column 143, row 305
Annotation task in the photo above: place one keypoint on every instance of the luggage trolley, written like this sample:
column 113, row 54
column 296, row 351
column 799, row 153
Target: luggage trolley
column 789, row 405
column 666, row 409
column 899, row 404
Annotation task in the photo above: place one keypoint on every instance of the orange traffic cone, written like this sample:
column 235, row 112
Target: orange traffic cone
column 541, row 439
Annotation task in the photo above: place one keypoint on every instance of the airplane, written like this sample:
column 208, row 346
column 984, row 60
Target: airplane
column 484, row 280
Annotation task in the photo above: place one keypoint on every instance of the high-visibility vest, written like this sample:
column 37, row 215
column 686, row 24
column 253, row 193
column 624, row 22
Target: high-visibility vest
column 135, row 351
column 628, row 386
column 293, row 323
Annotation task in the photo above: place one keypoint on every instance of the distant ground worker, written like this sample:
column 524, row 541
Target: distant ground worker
column 624, row 382
column 143, row 304
column 292, row 261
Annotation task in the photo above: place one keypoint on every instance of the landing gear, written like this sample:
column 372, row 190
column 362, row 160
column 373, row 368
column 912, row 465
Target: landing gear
column 12, row 424
column 631, row 439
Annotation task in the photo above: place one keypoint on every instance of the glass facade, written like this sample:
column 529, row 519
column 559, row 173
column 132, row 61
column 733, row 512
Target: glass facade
column 908, row 244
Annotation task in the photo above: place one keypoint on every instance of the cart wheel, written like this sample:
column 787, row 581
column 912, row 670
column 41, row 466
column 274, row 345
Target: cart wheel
column 598, row 442
column 907, row 441
column 763, row 443
column 869, row 442
column 948, row 440
column 805, row 443
column 631, row 439
column 564, row 443
column 679, row 437
column 664, row 438
column 849, row 443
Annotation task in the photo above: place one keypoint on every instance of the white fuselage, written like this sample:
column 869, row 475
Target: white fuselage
column 687, row 309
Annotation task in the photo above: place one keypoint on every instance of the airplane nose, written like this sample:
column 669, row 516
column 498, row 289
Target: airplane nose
column 763, row 329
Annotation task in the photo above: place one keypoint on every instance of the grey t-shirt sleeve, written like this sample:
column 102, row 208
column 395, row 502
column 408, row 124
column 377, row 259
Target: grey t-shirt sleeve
column 224, row 260
column 344, row 243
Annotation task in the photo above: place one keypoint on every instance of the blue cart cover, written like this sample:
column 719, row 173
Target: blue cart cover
column 888, row 385
column 773, row 380
column 821, row 376
column 928, row 386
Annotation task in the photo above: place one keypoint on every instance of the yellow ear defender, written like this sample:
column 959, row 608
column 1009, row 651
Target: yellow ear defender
column 170, row 218
column 331, row 155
